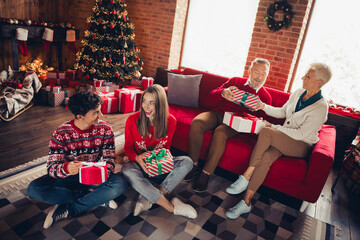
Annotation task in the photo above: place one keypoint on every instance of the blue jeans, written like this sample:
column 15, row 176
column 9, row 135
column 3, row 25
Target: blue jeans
column 73, row 194
column 139, row 180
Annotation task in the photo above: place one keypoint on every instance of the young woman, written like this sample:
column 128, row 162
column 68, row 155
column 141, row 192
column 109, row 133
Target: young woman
column 148, row 129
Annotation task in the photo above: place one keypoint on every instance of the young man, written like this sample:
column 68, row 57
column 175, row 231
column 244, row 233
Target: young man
column 83, row 139
column 212, row 120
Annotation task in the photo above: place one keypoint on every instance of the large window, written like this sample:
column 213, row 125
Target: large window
column 333, row 38
column 218, row 35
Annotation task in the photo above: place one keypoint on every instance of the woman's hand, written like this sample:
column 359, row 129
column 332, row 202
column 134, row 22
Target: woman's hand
column 140, row 160
column 260, row 106
column 228, row 94
column 267, row 124
column 73, row 167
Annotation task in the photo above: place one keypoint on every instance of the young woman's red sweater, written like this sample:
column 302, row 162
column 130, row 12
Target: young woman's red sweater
column 135, row 144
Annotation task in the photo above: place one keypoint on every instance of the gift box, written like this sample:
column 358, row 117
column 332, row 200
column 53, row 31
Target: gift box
column 57, row 77
column 74, row 84
column 93, row 173
column 107, row 87
column 70, row 74
column 129, row 99
column 243, row 122
column 58, row 98
column 135, row 82
column 110, row 102
column 159, row 161
column 246, row 99
column 98, row 83
column 146, row 82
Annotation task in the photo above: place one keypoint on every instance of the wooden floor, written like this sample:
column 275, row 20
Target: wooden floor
column 26, row 138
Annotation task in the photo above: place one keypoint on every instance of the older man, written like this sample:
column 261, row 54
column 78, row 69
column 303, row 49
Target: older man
column 212, row 120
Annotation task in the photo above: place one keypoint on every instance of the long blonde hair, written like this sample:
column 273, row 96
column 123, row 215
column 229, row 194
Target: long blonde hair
column 161, row 113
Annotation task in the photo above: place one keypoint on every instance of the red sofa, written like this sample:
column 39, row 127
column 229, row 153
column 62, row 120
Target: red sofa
column 300, row 178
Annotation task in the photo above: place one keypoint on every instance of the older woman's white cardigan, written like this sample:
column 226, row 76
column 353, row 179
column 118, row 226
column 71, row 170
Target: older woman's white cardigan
column 303, row 125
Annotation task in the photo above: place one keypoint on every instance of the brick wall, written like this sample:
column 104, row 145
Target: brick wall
column 281, row 48
column 154, row 21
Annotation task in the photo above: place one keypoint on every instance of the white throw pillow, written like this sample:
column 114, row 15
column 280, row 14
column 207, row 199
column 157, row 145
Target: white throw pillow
column 184, row 89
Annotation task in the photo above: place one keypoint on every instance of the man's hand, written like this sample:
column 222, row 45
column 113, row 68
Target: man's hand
column 267, row 124
column 73, row 167
column 140, row 160
column 228, row 94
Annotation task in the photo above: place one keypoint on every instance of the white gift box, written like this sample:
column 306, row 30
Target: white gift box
column 243, row 122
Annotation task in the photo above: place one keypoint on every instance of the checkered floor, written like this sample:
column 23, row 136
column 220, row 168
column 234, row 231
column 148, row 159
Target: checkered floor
column 22, row 218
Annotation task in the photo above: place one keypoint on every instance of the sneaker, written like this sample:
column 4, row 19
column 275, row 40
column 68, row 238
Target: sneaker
column 57, row 213
column 237, row 210
column 183, row 209
column 111, row 204
column 238, row 186
column 201, row 183
column 142, row 205
column 193, row 172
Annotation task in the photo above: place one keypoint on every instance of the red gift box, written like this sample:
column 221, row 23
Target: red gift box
column 74, row 84
column 98, row 83
column 110, row 102
column 129, row 99
column 93, row 173
column 243, row 122
column 70, row 74
column 146, row 82
column 159, row 161
column 57, row 77
column 246, row 99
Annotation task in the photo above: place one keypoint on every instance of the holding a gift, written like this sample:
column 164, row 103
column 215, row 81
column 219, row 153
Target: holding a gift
column 81, row 156
column 213, row 120
column 148, row 135
column 304, row 113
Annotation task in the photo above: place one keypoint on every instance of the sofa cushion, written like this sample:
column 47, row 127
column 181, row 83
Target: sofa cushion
column 208, row 83
column 184, row 89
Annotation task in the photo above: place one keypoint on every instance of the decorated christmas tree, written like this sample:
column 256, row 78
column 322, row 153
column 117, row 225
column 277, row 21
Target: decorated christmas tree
column 108, row 49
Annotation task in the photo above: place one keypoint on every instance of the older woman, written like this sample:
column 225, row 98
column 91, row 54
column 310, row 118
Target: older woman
column 305, row 112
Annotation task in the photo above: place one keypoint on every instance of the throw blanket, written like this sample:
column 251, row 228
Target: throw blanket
column 13, row 100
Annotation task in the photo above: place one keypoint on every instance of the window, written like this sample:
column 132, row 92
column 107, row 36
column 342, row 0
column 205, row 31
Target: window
column 333, row 38
column 218, row 35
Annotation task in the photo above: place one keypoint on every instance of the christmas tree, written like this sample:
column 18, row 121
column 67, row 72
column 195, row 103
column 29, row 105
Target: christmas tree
column 108, row 49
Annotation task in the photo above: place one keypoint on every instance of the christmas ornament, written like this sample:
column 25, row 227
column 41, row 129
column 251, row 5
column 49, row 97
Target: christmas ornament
column 87, row 63
column 111, row 26
column 286, row 8
column 28, row 22
column 110, row 60
column 117, row 75
column 16, row 21
column 104, row 59
column 125, row 45
column 112, row 1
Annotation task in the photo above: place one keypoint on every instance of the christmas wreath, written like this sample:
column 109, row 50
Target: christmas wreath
column 288, row 15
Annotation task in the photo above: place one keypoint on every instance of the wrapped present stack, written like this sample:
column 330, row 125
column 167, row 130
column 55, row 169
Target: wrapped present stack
column 158, row 162
column 243, row 122
column 102, row 86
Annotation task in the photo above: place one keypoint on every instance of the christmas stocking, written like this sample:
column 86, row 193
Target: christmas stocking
column 70, row 39
column 22, row 36
column 47, row 37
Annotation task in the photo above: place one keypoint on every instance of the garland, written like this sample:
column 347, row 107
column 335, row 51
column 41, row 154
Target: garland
column 288, row 15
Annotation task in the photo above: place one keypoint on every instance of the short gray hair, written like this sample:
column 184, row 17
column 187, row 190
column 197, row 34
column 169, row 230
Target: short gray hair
column 322, row 72
column 262, row 61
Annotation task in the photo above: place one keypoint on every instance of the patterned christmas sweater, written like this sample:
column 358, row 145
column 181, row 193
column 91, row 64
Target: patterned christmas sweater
column 135, row 144
column 69, row 143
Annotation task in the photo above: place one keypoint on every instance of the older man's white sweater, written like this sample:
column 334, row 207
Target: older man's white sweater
column 302, row 125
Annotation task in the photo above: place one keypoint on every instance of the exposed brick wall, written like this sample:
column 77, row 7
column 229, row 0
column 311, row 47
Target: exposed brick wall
column 154, row 21
column 281, row 48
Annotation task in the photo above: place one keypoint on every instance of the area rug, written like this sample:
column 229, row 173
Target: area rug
column 19, row 177
column 21, row 218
